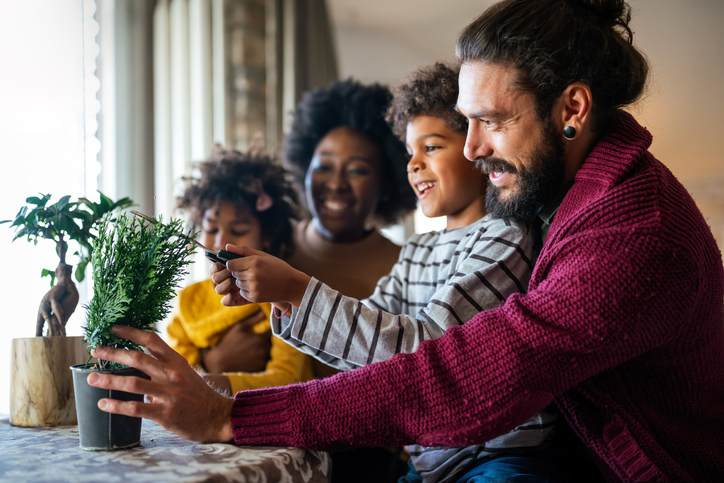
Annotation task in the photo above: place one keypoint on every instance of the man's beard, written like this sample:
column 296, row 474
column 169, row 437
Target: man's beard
column 536, row 187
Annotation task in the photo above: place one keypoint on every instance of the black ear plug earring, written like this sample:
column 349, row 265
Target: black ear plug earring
column 569, row 132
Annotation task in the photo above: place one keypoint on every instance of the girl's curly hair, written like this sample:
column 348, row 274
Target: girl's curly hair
column 431, row 91
column 238, row 178
column 349, row 103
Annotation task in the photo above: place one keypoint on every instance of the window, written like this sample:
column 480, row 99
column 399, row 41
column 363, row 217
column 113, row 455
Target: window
column 47, row 125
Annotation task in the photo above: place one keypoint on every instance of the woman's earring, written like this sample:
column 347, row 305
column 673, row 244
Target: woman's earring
column 569, row 132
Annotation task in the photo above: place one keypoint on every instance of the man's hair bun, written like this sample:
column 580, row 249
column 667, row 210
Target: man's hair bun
column 608, row 13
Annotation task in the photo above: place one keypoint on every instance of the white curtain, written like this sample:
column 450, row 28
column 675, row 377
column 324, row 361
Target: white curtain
column 182, row 92
column 125, row 117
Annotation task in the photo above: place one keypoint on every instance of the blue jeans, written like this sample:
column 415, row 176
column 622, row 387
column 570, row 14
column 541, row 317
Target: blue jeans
column 518, row 469
column 538, row 468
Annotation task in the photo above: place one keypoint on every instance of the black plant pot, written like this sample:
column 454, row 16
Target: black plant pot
column 99, row 430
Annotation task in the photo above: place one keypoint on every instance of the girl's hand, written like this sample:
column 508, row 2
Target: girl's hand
column 261, row 277
column 240, row 348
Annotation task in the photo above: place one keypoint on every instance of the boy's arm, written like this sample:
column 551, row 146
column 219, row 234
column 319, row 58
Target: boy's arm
column 340, row 329
column 282, row 327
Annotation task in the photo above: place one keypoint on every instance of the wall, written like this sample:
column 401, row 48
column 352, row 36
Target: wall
column 684, row 104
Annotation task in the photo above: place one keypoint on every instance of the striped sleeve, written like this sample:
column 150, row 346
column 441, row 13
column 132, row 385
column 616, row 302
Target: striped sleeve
column 344, row 331
column 383, row 299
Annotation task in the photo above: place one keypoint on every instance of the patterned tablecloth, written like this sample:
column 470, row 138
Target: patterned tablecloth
column 53, row 455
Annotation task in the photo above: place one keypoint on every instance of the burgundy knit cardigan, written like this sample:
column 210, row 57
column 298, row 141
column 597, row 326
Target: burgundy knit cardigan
column 622, row 327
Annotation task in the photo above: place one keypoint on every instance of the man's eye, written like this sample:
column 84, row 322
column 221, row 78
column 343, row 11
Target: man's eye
column 431, row 147
column 490, row 125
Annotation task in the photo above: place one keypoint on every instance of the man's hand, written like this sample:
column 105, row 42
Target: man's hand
column 177, row 397
column 259, row 277
column 219, row 382
column 240, row 348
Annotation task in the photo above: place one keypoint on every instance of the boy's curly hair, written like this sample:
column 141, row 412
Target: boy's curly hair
column 431, row 91
column 349, row 103
column 235, row 177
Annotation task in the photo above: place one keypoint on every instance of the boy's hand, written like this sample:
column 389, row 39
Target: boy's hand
column 261, row 277
column 224, row 284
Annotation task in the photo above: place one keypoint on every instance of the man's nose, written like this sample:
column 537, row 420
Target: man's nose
column 476, row 143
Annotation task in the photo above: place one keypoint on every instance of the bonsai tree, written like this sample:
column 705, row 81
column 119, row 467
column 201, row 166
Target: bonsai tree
column 62, row 222
column 137, row 265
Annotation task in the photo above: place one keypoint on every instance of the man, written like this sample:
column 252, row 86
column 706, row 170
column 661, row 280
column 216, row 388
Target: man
column 622, row 324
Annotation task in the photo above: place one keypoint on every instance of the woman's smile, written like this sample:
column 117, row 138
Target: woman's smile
column 336, row 206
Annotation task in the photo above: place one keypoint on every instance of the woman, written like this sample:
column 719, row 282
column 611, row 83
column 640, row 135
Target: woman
column 352, row 170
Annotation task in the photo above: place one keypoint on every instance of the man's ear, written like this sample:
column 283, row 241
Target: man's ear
column 573, row 110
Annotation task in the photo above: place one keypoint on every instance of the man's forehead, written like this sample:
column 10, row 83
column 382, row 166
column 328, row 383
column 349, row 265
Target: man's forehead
column 486, row 85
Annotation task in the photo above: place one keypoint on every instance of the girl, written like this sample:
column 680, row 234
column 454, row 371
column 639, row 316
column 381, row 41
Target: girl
column 242, row 199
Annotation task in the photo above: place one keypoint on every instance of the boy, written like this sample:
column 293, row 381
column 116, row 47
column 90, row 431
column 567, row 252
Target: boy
column 440, row 280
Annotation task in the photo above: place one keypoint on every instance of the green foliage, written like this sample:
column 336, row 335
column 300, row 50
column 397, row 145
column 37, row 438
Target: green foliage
column 63, row 221
column 136, row 267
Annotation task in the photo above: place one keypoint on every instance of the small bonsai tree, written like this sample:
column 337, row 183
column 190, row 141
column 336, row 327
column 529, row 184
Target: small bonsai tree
column 137, row 265
column 62, row 222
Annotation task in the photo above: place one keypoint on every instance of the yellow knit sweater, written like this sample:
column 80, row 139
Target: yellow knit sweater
column 202, row 319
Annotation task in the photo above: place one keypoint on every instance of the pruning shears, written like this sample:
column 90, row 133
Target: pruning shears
column 216, row 256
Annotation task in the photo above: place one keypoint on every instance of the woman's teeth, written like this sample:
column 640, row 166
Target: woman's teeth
column 335, row 205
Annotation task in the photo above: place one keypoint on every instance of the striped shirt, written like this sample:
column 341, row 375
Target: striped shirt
column 440, row 280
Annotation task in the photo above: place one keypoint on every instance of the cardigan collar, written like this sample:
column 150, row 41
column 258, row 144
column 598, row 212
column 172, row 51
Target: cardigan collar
column 616, row 153
column 612, row 158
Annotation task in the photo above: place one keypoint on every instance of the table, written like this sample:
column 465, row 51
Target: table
column 53, row 455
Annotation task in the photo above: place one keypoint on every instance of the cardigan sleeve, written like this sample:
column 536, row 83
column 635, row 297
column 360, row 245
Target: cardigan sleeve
column 604, row 299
